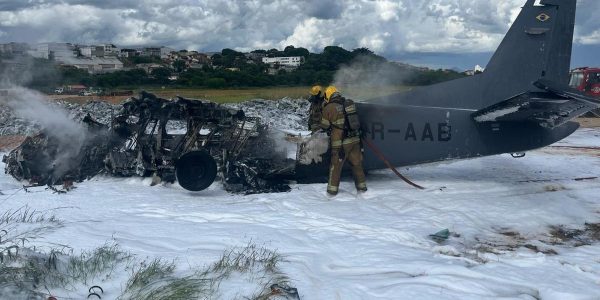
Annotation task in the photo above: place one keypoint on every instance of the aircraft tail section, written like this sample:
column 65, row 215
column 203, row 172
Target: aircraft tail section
column 537, row 46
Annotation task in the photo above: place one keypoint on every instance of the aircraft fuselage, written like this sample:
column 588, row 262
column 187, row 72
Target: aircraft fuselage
column 411, row 135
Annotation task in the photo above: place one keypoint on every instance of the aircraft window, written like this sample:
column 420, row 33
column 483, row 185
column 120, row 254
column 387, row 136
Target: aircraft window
column 576, row 79
column 176, row 127
column 151, row 127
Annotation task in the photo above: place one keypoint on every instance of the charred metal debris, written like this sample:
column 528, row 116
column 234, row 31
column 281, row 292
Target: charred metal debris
column 191, row 141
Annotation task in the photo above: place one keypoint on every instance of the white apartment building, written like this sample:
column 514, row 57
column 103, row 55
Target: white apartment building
column 291, row 61
column 55, row 51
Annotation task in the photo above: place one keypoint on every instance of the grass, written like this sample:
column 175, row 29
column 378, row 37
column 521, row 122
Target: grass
column 156, row 280
column 272, row 93
column 30, row 273
column 233, row 95
column 88, row 265
column 255, row 265
column 243, row 94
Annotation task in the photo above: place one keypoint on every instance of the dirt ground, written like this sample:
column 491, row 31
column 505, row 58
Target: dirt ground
column 85, row 99
column 10, row 142
column 589, row 122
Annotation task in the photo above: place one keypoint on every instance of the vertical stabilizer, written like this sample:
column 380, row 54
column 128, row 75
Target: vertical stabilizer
column 538, row 45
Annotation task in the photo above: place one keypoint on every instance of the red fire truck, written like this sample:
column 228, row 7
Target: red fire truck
column 586, row 80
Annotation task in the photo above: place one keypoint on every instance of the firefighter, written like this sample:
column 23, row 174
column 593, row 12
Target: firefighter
column 341, row 122
column 317, row 99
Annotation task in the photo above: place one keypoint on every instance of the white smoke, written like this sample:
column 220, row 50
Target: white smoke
column 67, row 133
column 368, row 73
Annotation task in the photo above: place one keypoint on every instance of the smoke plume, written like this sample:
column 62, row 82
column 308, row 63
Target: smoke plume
column 69, row 135
column 369, row 73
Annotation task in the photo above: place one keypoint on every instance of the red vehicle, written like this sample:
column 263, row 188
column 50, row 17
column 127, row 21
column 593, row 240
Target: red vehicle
column 586, row 80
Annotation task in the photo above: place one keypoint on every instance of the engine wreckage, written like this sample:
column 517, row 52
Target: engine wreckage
column 191, row 141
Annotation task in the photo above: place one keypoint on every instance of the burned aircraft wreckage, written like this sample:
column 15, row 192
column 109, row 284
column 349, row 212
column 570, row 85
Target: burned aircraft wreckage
column 189, row 141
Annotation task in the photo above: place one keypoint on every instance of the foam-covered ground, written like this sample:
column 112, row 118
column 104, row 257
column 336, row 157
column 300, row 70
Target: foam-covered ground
column 504, row 215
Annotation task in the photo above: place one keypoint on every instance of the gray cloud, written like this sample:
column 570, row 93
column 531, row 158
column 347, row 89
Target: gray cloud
column 387, row 27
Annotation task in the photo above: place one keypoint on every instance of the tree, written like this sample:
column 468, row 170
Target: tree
column 216, row 83
column 217, row 60
column 179, row 65
column 162, row 75
column 292, row 51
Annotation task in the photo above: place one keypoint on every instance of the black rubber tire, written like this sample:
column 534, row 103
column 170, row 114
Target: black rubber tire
column 196, row 171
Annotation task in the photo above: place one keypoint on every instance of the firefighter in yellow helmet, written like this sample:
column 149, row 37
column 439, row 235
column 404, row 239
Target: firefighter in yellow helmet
column 341, row 121
column 317, row 100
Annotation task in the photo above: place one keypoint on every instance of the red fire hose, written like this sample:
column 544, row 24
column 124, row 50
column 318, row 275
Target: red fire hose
column 380, row 155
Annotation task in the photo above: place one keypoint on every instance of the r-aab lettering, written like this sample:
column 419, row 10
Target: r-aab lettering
column 425, row 133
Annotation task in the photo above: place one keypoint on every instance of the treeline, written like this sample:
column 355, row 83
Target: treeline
column 231, row 68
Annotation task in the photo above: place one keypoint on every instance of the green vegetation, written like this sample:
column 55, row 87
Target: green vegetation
column 28, row 272
column 432, row 77
column 269, row 93
column 232, row 69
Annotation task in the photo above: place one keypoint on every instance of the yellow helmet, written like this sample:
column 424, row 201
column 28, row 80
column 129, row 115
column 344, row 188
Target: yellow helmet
column 330, row 91
column 315, row 90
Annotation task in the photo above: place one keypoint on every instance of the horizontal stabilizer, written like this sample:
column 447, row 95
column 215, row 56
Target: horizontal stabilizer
column 552, row 108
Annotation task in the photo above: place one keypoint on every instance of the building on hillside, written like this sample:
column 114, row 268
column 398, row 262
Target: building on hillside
column 192, row 59
column 477, row 70
column 256, row 57
column 129, row 53
column 95, row 65
column 290, row 61
column 165, row 51
column 106, row 50
column 151, row 51
column 16, row 65
column 86, row 51
column 14, row 48
column 54, row 51
column 162, row 52
column 282, row 64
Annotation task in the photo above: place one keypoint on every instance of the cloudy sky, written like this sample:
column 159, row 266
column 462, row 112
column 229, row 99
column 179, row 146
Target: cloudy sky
column 449, row 33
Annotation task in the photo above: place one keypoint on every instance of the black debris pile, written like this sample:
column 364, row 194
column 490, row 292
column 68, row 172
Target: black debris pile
column 101, row 111
column 283, row 114
column 11, row 124
column 257, row 175
column 41, row 158
column 187, row 140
